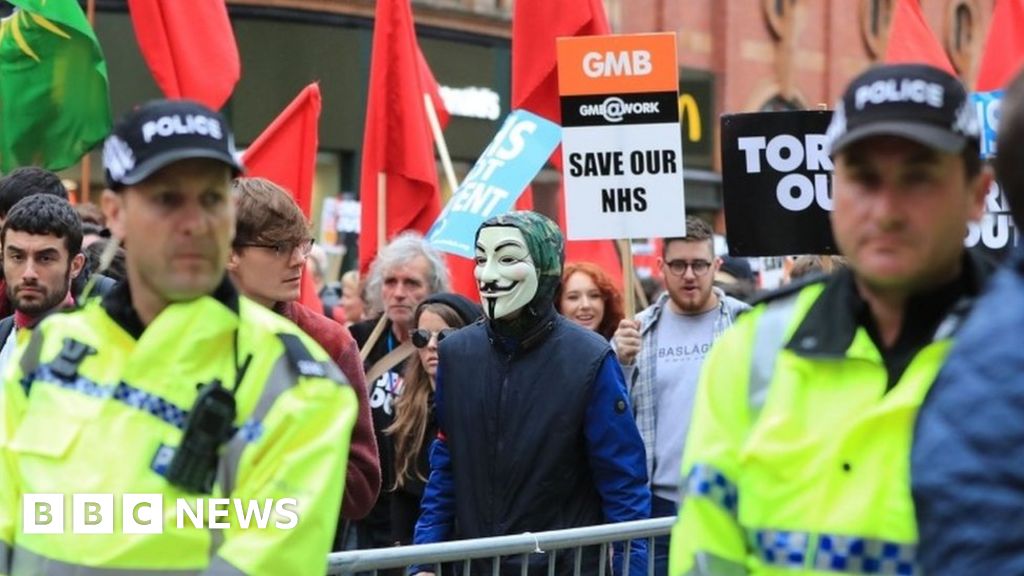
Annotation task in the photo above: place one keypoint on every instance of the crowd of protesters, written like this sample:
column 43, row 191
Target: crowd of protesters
column 540, row 405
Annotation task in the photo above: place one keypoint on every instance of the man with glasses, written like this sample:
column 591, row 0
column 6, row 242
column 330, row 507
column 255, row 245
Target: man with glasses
column 266, row 262
column 661, row 353
column 171, row 387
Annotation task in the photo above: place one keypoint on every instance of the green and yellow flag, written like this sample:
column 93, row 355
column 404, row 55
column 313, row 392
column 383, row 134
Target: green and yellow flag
column 54, row 102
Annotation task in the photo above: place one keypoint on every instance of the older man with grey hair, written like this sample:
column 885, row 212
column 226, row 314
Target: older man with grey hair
column 404, row 273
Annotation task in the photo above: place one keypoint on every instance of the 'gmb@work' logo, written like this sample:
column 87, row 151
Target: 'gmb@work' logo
column 144, row 513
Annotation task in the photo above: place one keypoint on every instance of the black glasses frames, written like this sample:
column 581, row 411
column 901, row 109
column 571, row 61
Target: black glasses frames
column 284, row 248
column 679, row 267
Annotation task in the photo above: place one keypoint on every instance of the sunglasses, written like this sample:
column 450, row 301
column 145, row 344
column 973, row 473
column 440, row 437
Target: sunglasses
column 421, row 337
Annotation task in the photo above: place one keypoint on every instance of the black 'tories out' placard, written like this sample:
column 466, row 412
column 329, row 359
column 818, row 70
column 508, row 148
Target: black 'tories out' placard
column 777, row 183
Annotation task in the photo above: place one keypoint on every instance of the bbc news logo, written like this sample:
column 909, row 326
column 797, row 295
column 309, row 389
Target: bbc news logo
column 144, row 513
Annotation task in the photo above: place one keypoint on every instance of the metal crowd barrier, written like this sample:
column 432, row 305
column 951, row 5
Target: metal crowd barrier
column 465, row 551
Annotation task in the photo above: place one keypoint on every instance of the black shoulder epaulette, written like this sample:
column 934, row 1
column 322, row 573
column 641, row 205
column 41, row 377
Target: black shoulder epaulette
column 789, row 289
column 64, row 365
column 304, row 363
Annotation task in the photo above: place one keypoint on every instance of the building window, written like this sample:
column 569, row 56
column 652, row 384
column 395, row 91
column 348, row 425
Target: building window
column 778, row 13
column 613, row 10
column 962, row 27
column 961, row 33
column 875, row 16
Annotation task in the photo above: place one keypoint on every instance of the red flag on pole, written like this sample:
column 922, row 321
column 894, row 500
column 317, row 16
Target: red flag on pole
column 285, row 153
column 911, row 40
column 1004, row 48
column 397, row 142
column 536, row 25
column 525, row 200
column 461, row 271
column 189, row 48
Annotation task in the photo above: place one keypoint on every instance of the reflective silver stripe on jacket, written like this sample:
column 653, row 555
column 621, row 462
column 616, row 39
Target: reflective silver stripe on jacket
column 834, row 553
column 281, row 378
column 27, row 563
column 30, row 358
column 707, row 564
column 769, row 338
column 221, row 567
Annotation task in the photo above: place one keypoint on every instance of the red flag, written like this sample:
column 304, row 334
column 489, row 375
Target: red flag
column 285, row 153
column 189, row 47
column 1004, row 48
column 912, row 41
column 525, row 200
column 397, row 141
column 463, row 279
column 460, row 270
column 430, row 87
column 535, row 27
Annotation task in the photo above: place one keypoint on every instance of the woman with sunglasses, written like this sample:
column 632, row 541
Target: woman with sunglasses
column 415, row 426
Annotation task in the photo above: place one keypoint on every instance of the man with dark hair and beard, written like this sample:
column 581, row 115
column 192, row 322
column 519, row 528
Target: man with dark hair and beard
column 15, row 186
column 42, row 253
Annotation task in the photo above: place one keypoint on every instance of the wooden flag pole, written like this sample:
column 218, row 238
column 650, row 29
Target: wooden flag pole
column 83, row 192
column 641, row 296
column 382, row 238
column 442, row 149
column 435, row 127
column 628, row 277
column 449, row 172
column 374, row 336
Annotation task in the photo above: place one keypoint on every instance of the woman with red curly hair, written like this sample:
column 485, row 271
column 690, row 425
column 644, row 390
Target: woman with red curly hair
column 588, row 298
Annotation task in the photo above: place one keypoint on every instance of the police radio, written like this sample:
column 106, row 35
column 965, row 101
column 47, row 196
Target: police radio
column 209, row 425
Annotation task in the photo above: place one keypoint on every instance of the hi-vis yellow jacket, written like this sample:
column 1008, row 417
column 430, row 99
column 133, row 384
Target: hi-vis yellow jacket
column 105, row 422
column 798, row 457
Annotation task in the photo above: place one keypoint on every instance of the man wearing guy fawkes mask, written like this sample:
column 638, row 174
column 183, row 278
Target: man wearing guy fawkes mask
column 536, row 432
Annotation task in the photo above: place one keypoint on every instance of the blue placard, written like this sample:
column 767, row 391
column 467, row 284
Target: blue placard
column 491, row 188
column 987, row 105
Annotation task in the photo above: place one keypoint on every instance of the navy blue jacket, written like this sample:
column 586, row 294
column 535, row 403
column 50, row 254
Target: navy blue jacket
column 533, row 438
column 967, row 463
